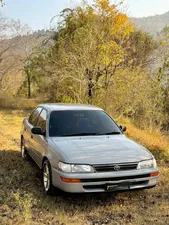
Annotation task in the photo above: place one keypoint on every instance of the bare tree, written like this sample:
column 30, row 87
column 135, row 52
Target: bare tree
column 17, row 44
column 5, row 44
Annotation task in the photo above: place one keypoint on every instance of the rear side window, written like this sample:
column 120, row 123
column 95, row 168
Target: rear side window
column 34, row 116
column 42, row 120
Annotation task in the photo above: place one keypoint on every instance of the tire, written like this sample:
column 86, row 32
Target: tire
column 24, row 153
column 47, row 178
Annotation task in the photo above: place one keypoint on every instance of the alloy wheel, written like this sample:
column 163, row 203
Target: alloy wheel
column 24, row 153
column 46, row 177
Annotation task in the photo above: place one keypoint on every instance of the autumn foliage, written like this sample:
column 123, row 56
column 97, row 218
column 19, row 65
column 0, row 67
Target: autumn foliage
column 99, row 57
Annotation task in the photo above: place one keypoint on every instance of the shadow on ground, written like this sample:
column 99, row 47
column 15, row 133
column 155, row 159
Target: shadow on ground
column 20, row 181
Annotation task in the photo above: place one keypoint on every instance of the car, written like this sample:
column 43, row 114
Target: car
column 80, row 149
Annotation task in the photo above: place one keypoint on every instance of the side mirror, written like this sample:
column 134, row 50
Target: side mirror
column 123, row 128
column 37, row 131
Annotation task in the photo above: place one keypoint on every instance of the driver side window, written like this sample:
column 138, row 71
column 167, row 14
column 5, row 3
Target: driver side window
column 42, row 120
column 34, row 116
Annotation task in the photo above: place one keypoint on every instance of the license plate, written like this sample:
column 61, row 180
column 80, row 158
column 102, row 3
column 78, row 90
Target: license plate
column 112, row 187
column 120, row 186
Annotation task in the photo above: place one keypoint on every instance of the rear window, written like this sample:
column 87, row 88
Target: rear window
column 77, row 122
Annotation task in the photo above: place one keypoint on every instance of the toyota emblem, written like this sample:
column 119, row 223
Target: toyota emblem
column 116, row 167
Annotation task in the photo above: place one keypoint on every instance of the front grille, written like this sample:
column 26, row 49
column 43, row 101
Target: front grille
column 114, row 178
column 115, row 167
column 103, row 186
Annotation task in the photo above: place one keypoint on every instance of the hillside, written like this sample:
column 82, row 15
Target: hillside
column 18, row 48
column 152, row 24
column 14, row 54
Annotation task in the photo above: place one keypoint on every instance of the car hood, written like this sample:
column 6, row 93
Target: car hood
column 101, row 149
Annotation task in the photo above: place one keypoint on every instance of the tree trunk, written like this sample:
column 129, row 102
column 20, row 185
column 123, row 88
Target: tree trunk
column 90, row 86
column 29, row 84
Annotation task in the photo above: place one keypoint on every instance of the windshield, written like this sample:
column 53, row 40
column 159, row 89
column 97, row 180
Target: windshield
column 81, row 123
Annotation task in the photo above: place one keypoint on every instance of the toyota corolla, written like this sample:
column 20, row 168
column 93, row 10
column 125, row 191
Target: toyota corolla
column 80, row 149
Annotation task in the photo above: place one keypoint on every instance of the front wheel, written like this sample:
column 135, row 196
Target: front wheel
column 47, row 178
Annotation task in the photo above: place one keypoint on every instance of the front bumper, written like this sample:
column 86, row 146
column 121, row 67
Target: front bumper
column 105, row 182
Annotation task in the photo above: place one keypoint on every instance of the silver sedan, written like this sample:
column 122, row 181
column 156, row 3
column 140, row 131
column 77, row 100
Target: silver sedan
column 80, row 149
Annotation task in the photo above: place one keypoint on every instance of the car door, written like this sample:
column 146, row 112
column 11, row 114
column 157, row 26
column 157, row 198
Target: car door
column 39, row 142
column 28, row 137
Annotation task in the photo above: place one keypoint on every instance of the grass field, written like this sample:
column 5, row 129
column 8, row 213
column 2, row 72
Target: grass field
column 22, row 200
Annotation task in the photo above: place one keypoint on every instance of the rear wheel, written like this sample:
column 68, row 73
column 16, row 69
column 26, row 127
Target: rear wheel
column 24, row 152
column 47, row 178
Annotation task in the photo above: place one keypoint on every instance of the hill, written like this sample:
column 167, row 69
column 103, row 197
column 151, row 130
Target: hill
column 14, row 54
column 152, row 24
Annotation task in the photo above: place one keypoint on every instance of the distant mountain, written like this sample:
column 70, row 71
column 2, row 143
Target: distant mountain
column 152, row 24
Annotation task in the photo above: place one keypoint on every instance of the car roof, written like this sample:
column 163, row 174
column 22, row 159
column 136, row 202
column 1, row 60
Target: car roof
column 65, row 106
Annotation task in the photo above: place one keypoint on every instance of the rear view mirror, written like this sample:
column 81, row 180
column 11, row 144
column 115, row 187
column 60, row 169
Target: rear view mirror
column 123, row 128
column 37, row 131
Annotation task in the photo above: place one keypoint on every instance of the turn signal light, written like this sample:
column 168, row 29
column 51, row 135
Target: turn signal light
column 69, row 180
column 154, row 174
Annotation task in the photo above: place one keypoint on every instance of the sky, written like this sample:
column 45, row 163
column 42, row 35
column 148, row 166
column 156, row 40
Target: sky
column 38, row 13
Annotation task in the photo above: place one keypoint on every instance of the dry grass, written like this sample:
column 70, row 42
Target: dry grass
column 152, row 139
column 22, row 200
column 8, row 102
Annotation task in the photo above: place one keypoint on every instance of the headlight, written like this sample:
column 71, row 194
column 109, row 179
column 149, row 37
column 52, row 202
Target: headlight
column 65, row 167
column 69, row 168
column 147, row 164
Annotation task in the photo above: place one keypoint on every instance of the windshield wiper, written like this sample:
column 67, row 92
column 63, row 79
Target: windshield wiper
column 89, row 134
column 80, row 134
column 111, row 133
